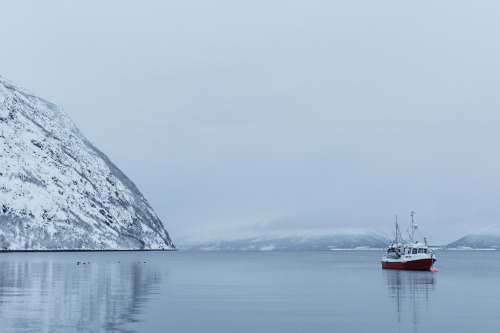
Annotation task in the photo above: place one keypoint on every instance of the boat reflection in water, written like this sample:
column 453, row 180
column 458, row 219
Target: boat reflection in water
column 412, row 293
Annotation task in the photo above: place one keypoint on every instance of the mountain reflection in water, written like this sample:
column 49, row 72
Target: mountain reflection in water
column 66, row 296
column 411, row 292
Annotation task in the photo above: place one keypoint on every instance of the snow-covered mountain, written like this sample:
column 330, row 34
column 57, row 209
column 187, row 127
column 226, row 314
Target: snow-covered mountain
column 297, row 242
column 58, row 191
column 488, row 238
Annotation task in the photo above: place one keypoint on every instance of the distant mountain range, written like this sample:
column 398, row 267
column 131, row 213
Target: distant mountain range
column 488, row 238
column 362, row 240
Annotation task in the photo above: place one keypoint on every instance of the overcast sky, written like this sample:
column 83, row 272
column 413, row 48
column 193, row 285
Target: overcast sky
column 279, row 114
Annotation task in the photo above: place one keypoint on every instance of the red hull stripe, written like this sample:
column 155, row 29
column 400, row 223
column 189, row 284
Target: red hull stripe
column 422, row 265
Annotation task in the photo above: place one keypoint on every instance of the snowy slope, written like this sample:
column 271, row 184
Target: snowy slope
column 57, row 191
column 488, row 238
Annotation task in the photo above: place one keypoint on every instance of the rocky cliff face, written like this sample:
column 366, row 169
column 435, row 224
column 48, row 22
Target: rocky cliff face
column 58, row 191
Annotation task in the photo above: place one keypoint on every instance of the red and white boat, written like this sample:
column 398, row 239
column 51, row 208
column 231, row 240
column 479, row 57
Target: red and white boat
column 415, row 255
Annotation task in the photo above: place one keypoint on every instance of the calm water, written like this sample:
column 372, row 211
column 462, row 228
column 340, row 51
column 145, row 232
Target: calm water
column 246, row 292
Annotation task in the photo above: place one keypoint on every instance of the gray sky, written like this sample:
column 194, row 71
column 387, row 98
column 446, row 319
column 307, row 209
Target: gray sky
column 292, row 114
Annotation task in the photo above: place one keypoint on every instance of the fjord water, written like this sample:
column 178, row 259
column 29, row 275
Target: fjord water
column 338, row 291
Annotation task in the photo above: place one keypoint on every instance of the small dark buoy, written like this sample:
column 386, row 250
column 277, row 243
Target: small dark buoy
column 78, row 263
column 144, row 262
column 84, row 263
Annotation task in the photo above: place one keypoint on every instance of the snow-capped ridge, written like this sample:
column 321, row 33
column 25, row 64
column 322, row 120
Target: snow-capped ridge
column 310, row 240
column 58, row 191
column 487, row 238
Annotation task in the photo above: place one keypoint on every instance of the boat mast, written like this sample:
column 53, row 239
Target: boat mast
column 413, row 226
column 396, row 240
column 399, row 238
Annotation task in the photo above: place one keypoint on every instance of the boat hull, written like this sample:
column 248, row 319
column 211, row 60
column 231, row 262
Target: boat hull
column 417, row 265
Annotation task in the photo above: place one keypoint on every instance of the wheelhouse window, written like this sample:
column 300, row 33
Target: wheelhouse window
column 420, row 250
column 414, row 251
column 425, row 250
